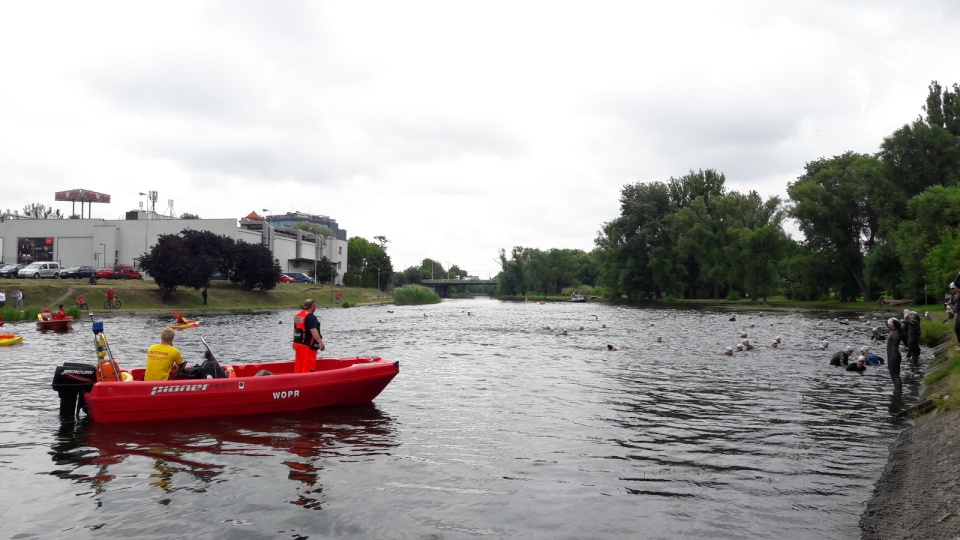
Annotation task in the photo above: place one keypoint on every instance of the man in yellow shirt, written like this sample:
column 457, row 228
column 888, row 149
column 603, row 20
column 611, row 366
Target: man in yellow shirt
column 161, row 357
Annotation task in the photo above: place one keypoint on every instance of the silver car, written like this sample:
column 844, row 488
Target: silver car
column 38, row 270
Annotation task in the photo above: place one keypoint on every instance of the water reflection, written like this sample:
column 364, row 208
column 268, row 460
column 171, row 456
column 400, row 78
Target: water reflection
column 195, row 454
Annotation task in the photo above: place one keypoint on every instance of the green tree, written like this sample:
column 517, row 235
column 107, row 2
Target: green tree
column 314, row 228
column 188, row 215
column 832, row 203
column 761, row 251
column 918, row 156
column 212, row 252
column 254, row 267
column 933, row 219
column 635, row 252
column 171, row 264
column 368, row 265
column 39, row 211
column 326, row 271
column 512, row 280
column 943, row 108
column 412, row 275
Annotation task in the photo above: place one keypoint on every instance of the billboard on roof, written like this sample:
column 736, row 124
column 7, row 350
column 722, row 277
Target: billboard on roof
column 82, row 195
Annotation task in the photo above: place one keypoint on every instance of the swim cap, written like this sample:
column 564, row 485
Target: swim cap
column 862, row 359
column 891, row 320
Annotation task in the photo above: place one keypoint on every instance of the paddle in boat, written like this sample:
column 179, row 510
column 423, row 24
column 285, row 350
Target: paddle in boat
column 10, row 339
column 47, row 321
column 108, row 394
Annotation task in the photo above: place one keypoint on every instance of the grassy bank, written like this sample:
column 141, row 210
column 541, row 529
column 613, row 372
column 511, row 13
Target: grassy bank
column 136, row 295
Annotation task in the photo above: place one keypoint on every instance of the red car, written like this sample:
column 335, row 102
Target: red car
column 120, row 271
column 285, row 279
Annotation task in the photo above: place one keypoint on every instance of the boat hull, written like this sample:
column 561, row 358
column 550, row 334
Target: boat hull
column 188, row 324
column 10, row 339
column 60, row 325
column 338, row 382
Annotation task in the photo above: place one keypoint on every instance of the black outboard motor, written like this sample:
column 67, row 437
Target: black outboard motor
column 71, row 381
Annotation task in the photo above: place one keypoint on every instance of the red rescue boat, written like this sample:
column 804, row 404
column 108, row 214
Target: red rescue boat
column 45, row 321
column 269, row 387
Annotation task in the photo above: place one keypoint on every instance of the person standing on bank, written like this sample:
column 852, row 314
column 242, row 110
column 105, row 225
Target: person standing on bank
column 911, row 322
column 204, row 294
column 893, row 353
column 306, row 338
column 955, row 291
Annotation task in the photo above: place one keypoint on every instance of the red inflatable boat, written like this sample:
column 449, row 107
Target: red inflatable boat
column 270, row 387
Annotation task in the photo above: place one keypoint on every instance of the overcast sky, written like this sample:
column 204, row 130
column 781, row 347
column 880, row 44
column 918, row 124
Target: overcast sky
column 452, row 128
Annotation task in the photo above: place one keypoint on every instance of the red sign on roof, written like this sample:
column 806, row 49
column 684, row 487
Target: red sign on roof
column 82, row 195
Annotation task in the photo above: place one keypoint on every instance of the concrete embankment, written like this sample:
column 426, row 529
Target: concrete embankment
column 918, row 494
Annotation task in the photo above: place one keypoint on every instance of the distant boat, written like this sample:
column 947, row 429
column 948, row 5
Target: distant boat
column 577, row 297
column 45, row 321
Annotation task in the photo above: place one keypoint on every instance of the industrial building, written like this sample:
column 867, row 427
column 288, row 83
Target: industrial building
column 103, row 243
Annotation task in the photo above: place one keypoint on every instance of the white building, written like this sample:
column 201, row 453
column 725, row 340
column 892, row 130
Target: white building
column 103, row 243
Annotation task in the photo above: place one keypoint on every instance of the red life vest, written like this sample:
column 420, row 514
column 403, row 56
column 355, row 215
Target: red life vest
column 300, row 334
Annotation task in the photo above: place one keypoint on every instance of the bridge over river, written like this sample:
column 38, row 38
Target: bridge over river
column 442, row 286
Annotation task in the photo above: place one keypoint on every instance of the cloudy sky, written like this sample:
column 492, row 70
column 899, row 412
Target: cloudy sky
column 454, row 129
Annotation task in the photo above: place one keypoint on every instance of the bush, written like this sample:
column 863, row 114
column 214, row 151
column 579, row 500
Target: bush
column 733, row 296
column 933, row 332
column 412, row 295
column 10, row 315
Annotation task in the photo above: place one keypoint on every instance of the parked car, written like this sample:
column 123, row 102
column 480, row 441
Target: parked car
column 125, row 271
column 78, row 272
column 299, row 277
column 10, row 270
column 39, row 270
column 120, row 271
column 285, row 279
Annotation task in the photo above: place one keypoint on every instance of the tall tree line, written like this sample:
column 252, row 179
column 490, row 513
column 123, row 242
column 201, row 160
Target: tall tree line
column 887, row 223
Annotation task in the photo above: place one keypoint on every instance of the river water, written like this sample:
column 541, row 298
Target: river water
column 495, row 427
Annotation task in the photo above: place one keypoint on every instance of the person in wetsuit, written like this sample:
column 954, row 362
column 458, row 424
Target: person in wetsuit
column 893, row 353
column 911, row 321
column 872, row 359
column 859, row 365
column 841, row 358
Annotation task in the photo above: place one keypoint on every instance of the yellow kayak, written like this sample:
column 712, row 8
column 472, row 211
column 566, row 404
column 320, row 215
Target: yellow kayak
column 190, row 323
column 10, row 339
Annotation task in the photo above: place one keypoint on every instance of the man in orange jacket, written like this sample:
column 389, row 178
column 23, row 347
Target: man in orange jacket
column 306, row 338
